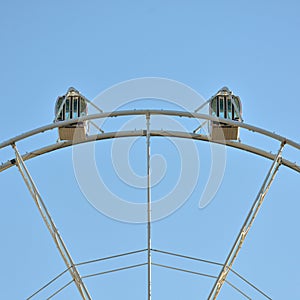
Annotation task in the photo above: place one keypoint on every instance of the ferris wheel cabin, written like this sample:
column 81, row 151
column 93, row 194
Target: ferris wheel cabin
column 228, row 106
column 70, row 106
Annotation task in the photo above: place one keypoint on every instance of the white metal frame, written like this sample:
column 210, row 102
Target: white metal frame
column 151, row 112
column 109, row 135
column 148, row 133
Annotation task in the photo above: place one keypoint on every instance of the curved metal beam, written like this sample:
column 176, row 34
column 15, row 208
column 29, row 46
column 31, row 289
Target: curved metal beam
column 175, row 134
column 151, row 112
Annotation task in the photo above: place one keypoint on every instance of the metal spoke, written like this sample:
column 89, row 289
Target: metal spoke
column 213, row 263
column 51, row 226
column 148, row 206
column 59, row 290
column 110, row 257
column 47, row 284
column 246, row 226
column 200, row 274
column 114, row 270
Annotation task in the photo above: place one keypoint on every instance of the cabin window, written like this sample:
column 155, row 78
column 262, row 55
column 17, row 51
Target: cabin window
column 67, row 107
column 59, row 103
column 229, row 109
column 236, row 108
column 75, row 107
column 82, row 107
column 71, row 106
column 221, row 105
column 214, row 110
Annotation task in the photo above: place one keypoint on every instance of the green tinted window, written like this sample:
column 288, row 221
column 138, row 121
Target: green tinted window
column 58, row 105
column 236, row 107
column 75, row 107
column 67, row 112
column 83, row 108
column 214, row 107
column 221, row 103
column 229, row 108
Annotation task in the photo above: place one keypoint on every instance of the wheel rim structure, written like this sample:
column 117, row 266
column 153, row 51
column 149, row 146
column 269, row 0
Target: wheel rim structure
column 146, row 132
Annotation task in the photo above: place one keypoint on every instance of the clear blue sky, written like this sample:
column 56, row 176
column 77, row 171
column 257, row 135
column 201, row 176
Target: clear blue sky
column 251, row 46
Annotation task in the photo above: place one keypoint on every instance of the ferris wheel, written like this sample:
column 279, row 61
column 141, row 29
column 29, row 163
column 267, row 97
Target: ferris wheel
column 222, row 125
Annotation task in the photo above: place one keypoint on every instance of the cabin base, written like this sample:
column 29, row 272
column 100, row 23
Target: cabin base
column 72, row 133
column 225, row 133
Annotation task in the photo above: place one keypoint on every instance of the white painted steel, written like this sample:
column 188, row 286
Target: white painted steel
column 123, row 134
column 149, row 133
column 62, row 248
column 151, row 112
column 246, row 226
column 149, row 209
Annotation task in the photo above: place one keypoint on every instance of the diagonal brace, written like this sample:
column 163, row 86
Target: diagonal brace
column 51, row 226
column 247, row 225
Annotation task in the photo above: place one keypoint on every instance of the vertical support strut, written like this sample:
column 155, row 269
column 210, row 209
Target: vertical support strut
column 148, row 207
column 51, row 226
column 247, row 225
